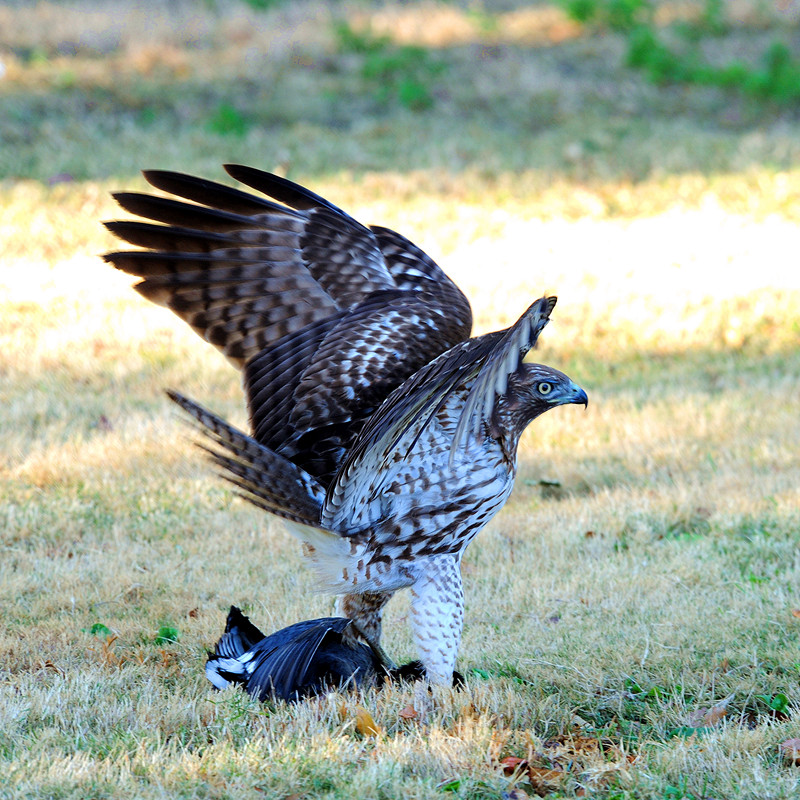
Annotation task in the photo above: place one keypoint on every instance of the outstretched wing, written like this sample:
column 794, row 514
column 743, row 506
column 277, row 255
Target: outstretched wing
column 477, row 369
column 311, row 393
column 242, row 270
column 325, row 315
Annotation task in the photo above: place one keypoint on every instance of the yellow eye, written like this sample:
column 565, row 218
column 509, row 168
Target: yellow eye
column 545, row 388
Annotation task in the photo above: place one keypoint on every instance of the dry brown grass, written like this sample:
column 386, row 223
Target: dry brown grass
column 655, row 574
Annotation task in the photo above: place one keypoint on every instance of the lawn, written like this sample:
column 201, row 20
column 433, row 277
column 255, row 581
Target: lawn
column 633, row 615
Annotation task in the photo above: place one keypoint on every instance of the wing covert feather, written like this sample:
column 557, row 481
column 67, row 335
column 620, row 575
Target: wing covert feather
column 478, row 368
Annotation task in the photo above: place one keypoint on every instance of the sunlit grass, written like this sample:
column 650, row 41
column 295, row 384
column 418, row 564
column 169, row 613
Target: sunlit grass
column 646, row 567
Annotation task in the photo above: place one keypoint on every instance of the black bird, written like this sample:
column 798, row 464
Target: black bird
column 302, row 660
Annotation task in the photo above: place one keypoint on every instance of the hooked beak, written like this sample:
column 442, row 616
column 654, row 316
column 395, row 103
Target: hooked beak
column 580, row 398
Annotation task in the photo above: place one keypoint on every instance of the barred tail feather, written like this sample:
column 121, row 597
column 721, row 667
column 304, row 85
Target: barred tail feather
column 264, row 477
column 276, row 485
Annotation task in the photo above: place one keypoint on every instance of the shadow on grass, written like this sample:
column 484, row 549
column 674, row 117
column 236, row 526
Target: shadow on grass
column 564, row 110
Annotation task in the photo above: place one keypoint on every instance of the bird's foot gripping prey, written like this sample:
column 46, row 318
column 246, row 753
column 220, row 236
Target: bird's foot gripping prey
column 382, row 434
column 302, row 660
column 299, row 661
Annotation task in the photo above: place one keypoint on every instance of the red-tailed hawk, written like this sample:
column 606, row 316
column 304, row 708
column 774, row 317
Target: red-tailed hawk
column 382, row 434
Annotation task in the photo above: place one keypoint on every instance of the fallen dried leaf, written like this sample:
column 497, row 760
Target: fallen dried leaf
column 512, row 764
column 365, row 724
column 709, row 717
column 790, row 749
column 569, row 747
column 584, row 746
column 409, row 712
column 796, row 612
column 714, row 716
column 543, row 781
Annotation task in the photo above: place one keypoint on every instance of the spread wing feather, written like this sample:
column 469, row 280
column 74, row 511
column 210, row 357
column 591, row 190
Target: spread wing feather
column 372, row 351
column 324, row 315
column 419, row 397
column 409, row 266
column 282, row 189
column 237, row 239
column 478, row 368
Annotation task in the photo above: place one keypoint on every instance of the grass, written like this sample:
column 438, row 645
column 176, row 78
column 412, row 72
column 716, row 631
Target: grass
column 645, row 569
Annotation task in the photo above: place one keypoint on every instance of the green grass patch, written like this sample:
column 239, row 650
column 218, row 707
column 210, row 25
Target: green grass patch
column 775, row 77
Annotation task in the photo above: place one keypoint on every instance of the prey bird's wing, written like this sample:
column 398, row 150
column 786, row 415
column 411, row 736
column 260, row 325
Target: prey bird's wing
column 299, row 660
column 284, row 670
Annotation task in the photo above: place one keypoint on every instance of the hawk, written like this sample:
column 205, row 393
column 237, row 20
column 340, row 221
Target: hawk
column 382, row 434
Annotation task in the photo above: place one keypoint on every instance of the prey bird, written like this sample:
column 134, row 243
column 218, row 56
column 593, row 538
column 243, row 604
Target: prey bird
column 299, row 661
column 295, row 662
column 382, row 434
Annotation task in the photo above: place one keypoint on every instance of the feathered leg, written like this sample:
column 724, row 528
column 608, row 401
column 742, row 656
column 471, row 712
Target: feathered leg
column 366, row 612
column 437, row 615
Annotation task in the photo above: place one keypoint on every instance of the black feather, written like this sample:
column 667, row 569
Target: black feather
column 293, row 194
column 174, row 212
column 299, row 661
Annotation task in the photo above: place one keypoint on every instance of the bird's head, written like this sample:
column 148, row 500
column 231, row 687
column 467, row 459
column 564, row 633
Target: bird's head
column 532, row 390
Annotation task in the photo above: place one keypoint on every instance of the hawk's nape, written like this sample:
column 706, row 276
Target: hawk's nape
column 382, row 435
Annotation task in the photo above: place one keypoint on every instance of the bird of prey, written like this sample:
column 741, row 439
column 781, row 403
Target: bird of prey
column 298, row 661
column 382, row 434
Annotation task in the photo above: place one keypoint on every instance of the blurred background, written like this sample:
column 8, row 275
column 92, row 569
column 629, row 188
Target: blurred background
column 638, row 157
